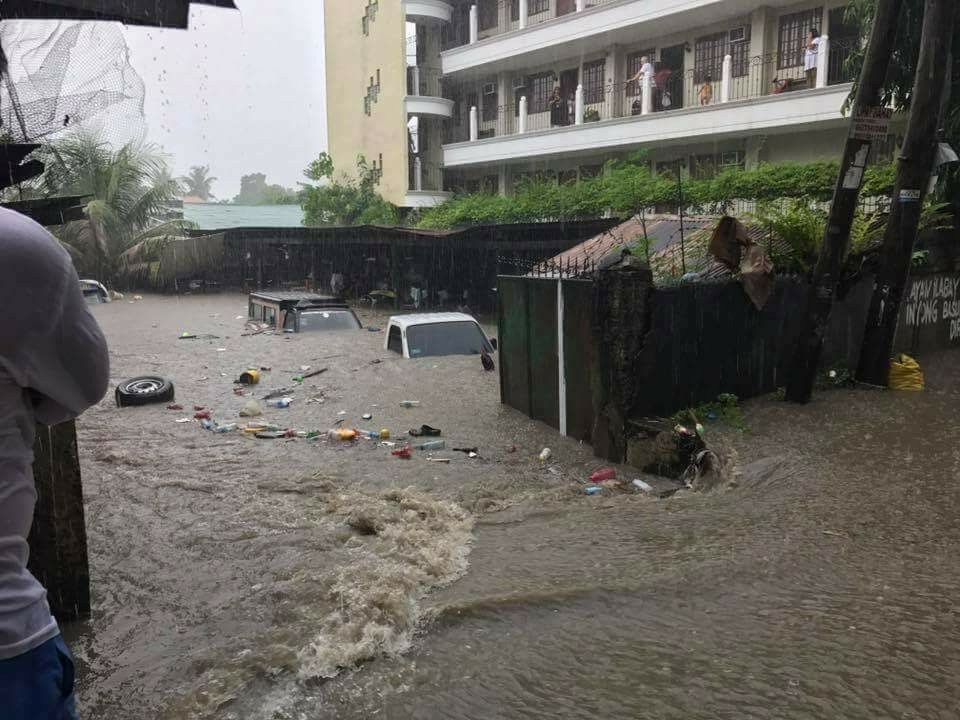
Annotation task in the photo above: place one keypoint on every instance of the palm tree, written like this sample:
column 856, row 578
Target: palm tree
column 129, row 189
column 198, row 182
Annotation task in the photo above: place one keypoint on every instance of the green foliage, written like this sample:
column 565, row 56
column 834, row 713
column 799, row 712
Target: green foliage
column 629, row 186
column 725, row 409
column 198, row 182
column 130, row 189
column 254, row 190
column 346, row 200
column 800, row 224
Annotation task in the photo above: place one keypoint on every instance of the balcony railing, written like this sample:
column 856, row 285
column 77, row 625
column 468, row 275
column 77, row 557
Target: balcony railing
column 425, row 82
column 661, row 92
column 487, row 18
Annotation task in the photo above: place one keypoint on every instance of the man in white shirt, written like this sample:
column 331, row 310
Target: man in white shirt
column 810, row 53
column 646, row 68
column 53, row 366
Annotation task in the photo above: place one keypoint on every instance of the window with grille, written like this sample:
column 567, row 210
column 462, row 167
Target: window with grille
column 706, row 167
column 633, row 67
column 590, row 171
column 490, row 101
column 567, row 177
column 708, row 57
column 534, row 7
column 740, row 55
column 540, row 88
column 487, row 14
column 792, row 38
column 593, row 81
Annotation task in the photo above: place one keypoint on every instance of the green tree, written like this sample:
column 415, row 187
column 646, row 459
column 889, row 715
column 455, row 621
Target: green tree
column 198, row 182
column 902, row 71
column 254, row 190
column 130, row 190
column 345, row 200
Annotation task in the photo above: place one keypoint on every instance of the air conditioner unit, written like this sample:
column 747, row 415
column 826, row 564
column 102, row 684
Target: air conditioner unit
column 519, row 83
column 738, row 34
column 490, row 89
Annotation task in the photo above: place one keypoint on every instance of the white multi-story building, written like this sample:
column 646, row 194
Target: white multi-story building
column 502, row 89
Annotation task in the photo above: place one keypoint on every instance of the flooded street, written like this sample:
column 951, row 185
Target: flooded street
column 234, row 577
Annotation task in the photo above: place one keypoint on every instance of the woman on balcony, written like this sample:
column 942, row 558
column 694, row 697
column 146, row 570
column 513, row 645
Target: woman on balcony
column 810, row 57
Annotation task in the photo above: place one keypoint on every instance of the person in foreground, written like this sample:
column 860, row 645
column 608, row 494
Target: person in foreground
column 53, row 366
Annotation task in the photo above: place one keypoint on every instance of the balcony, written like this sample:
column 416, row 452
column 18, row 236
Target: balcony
column 733, row 100
column 426, row 184
column 427, row 11
column 490, row 32
column 425, row 94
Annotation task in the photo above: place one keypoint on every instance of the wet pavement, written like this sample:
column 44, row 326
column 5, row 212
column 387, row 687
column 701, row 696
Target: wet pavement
column 243, row 578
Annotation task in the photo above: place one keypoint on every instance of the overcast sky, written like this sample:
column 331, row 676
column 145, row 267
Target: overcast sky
column 241, row 91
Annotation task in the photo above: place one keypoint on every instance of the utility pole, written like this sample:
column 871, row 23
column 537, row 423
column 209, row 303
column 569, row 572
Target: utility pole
column 914, row 169
column 836, row 241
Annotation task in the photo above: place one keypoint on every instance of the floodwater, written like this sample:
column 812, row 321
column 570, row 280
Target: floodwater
column 243, row 578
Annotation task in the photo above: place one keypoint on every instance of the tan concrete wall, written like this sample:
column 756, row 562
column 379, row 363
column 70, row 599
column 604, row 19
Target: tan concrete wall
column 352, row 59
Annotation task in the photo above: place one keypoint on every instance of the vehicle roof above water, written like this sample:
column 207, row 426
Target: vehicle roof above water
column 289, row 298
column 405, row 321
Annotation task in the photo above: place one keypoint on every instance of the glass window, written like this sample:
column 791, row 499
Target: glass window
column 490, row 100
column 593, row 81
column 793, row 35
column 394, row 340
column 327, row 320
column 252, row 311
column 448, row 338
column 269, row 315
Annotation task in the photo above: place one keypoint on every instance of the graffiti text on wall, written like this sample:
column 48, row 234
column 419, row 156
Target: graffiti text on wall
column 934, row 300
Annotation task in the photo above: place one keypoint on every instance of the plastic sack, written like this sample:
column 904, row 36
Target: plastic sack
column 905, row 374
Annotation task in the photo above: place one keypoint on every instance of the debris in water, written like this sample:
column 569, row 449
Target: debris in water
column 251, row 409
column 183, row 420
column 545, row 455
column 602, row 474
column 642, row 486
column 174, row 407
column 404, row 452
column 593, row 490
column 367, row 416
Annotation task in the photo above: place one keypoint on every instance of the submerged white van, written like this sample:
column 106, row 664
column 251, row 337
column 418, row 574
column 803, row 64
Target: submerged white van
column 432, row 334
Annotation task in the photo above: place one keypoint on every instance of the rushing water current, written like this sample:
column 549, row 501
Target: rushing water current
column 267, row 579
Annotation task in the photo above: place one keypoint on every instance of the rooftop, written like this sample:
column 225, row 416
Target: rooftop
column 215, row 216
column 405, row 321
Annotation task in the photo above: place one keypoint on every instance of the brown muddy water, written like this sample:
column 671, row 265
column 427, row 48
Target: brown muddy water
column 243, row 578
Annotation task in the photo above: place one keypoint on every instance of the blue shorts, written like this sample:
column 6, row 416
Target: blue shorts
column 38, row 685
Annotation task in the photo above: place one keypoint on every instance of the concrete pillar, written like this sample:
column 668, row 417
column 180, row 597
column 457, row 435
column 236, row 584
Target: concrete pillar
column 616, row 68
column 417, row 174
column 580, row 4
column 646, row 94
column 823, row 68
column 524, row 13
column 474, row 24
column 727, row 79
column 415, row 80
column 503, row 180
column 522, row 119
column 474, row 124
column 760, row 78
column 578, row 112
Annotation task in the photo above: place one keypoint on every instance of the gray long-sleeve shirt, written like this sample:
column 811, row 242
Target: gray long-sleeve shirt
column 53, row 366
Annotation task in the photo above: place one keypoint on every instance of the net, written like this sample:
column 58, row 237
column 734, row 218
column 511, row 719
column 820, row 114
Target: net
column 63, row 77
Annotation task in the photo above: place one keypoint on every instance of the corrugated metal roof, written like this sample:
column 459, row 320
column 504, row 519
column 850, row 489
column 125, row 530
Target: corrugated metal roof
column 213, row 216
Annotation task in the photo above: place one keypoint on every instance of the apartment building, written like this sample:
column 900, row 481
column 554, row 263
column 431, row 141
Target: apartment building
column 484, row 93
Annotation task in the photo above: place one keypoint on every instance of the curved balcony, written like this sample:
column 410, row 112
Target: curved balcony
column 427, row 10
column 425, row 94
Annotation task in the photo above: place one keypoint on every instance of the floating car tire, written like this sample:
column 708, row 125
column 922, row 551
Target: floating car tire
column 144, row 391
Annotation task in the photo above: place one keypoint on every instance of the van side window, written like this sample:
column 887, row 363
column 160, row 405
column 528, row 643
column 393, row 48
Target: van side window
column 394, row 341
column 290, row 320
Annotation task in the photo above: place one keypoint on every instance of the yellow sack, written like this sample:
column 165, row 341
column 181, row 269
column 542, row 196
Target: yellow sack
column 905, row 374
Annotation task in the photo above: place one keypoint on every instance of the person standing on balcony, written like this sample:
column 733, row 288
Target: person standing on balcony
column 556, row 106
column 646, row 68
column 810, row 57
column 706, row 91
column 53, row 366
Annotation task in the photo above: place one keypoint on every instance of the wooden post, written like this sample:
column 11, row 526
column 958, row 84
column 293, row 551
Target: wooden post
column 913, row 177
column 58, row 538
column 836, row 239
